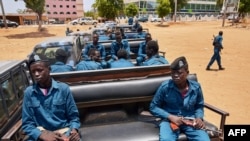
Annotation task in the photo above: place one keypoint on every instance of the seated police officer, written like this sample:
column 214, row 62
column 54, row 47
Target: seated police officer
column 118, row 44
column 93, row 63
column 152, row 50
column 49, row 112
column 142, row 56
column 122, row 61
column 60, row 65
column 98, row 46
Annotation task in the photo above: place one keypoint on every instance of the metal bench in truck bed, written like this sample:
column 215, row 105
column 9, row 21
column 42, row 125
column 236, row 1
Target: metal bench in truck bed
column 112, row 104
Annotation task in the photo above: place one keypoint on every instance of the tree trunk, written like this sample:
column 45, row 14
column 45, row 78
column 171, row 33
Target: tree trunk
column 39, row 19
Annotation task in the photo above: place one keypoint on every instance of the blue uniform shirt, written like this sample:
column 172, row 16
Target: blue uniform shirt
column 115, row 47
column 99, row 47
column 142, row 49
column 168, row 100
column 88, row 65
column 60, row 67
column 54, row 111
column 121, row 63
column 155, row 60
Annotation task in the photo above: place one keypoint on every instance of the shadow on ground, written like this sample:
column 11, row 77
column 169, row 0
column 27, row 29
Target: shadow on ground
column 42, row 33
column 162, row 25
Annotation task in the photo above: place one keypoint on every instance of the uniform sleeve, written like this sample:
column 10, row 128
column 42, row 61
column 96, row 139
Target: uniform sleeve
column 157, row 101
column 28, row 123
column 72, row 111
column 85, row 52
column 199, row 108
column 112, row 50
column 127, row 47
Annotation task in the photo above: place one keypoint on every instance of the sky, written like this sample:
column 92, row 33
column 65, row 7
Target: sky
column 87, row 4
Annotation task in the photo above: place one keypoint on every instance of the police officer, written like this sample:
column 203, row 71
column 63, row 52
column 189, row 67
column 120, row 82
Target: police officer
column 60, row 64
column 153, row 56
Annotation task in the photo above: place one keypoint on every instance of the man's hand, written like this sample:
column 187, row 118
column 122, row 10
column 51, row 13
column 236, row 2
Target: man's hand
column 176, row 120
column 52, row 136
column 74, row 135
column 198, row 123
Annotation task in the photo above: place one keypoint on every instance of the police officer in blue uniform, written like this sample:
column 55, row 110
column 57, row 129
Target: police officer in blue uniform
column 99, row 47
column 93, row 64
column 118, row 44
column 142, row 56
column 122, row 61
column 154, row 58
column 176, row 99
column 60, row 64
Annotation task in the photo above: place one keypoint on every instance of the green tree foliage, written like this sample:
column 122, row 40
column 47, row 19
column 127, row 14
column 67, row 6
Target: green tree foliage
column 109, row 8
column 244, row 7
column 90, row 14
column 163, row 8
column 180, row 4
column 131, row 10
column 36, row 6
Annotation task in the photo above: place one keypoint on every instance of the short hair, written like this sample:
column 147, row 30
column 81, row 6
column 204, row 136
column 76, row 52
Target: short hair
column 153, row 46
column 139, row 29
column 61, row 55
column 220, row 32
column 122, row 53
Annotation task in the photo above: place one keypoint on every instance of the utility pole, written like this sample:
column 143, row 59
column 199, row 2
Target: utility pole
column 175, row 9
column 4, row 17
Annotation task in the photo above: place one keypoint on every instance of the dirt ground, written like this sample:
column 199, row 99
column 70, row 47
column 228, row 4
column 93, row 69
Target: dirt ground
column 228, row 89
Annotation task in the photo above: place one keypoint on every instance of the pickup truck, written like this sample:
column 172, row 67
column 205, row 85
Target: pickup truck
column 113, row 103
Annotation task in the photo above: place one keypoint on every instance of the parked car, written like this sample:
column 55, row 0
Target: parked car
column 232, row 17
column 143, row 19
column 9, row 23
column 74, row 22
column 71, row 44
column 155, row 19
column 87, row 21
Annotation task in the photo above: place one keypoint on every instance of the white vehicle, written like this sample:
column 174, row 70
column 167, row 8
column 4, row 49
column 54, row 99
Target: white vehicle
column 87, row 21
column 154, row 19
column 74, row 22
column 232, row 17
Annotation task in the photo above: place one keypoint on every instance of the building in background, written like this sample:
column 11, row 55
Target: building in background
column 64, row 10
column 147, row 7
column 55, row 10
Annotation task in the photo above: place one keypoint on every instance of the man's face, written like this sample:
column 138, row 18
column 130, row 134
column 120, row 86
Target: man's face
column 40, row 72
column 97, row 56
column 95, row 38
column 118, row 38
column 179, row 76
column 148, row 38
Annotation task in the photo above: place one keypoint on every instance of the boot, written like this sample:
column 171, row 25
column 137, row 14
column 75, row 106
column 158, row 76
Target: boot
column 208, row 68
column 221, row 68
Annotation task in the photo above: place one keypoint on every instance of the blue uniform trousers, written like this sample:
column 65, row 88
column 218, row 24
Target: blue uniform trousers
column 167, row 134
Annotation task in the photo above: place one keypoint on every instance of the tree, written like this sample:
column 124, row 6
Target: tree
column 109, row 9
column 36, row 6
column 180, row 4
column 244, row 8
column 163, row 9
column 131, row 10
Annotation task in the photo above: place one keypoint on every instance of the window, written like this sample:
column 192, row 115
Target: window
column 67, row 6
column 55, row 13
column 47, row 5
column 48, row 13
column 68, row 13
column 74, row 6
column 9, row 96
column 74, row 13
column 61, row 6
column 61, row 13
column 54, row 6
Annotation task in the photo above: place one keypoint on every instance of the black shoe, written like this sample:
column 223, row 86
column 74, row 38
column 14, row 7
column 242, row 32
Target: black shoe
column 208, row 68
column 221, row 68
